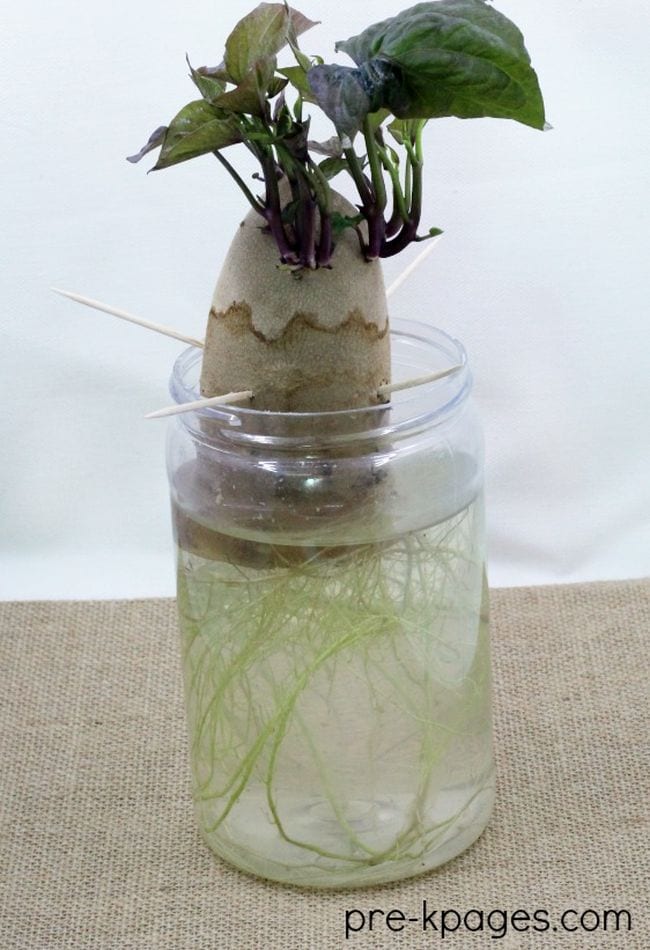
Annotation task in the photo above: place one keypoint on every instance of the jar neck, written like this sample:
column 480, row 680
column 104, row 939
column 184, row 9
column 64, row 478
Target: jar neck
column 417, row 350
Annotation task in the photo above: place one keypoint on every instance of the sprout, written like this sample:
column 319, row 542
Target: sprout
column 445, row 58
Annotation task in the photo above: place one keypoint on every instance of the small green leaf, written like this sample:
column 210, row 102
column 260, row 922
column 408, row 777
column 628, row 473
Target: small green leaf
column 281, row 115
column 378, row 118
column 297, row 20
column 196, row 130
column 249, row 97
column 333, row 147
column 452, row 57
column 208, row 85
column 216, row 72
column 405, row 130
column 295, row 141
column 298, row 79
column 341, row 222
column 331, row 167
column 276, row 86
column 289, row 212
column 155, row 140
column 261, row 136
column 262, row 33
column 302, row 59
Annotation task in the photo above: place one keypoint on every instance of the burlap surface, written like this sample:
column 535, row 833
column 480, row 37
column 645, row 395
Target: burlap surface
column 99, row 847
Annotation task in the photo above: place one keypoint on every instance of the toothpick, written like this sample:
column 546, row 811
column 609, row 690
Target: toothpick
column 413, row 266
column 200, row 404
column 229, row 398
column 248, row 394
column 176, row 335
column 418, row 381
column 123, row 315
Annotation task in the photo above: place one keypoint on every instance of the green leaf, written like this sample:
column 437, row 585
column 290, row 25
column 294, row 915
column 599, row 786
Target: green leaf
column 209, row 85
column 155, row 140
column 196, row 130
column 297, row 20
column 333, row 147
column 249, row 97
column 452, row 57
column 347, row 95
column 366, row 45
column 260, row 34
column 261, row 136
column 378, row 118
column 298, row 79
column 341, row 222
column 295, row 140
column 302, row 59
column 405, row 130
column 331, row 167
column 290, row 211
column 340, row 93
column 431, row 233
column 276, row 86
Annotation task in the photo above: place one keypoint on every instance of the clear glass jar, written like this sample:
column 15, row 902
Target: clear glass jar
column 333, row 614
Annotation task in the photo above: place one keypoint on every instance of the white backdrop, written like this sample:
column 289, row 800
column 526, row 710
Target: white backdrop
column 542, row 272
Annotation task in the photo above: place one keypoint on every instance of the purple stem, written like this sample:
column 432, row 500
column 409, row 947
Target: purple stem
column 273, row 212
column 406, row 236
column 376, row 235
column 307, row 230
column 395, row 223
column 325, row 243
column 409, row 232
column 276, row 227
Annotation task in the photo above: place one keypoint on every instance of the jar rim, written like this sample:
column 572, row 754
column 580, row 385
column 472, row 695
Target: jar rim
column 417, row 349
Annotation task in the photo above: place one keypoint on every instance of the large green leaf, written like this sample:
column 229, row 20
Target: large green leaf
column 452, row 57
column 260, row 34
column 196, row 130
column 366, row 45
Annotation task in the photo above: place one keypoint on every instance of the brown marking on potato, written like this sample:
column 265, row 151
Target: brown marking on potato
column 238, row 319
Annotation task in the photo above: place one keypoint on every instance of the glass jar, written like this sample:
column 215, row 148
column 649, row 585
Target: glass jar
column 333, row 614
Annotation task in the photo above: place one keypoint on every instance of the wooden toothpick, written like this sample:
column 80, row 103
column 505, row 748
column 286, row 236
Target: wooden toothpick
column 386, row 390
column 418, row 381
column 177, row 409
column 176, row 335
column 248, row 394
column 123, row 315
column 413, row 266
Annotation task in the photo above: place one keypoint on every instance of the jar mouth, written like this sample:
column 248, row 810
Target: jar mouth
column 417, row 349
